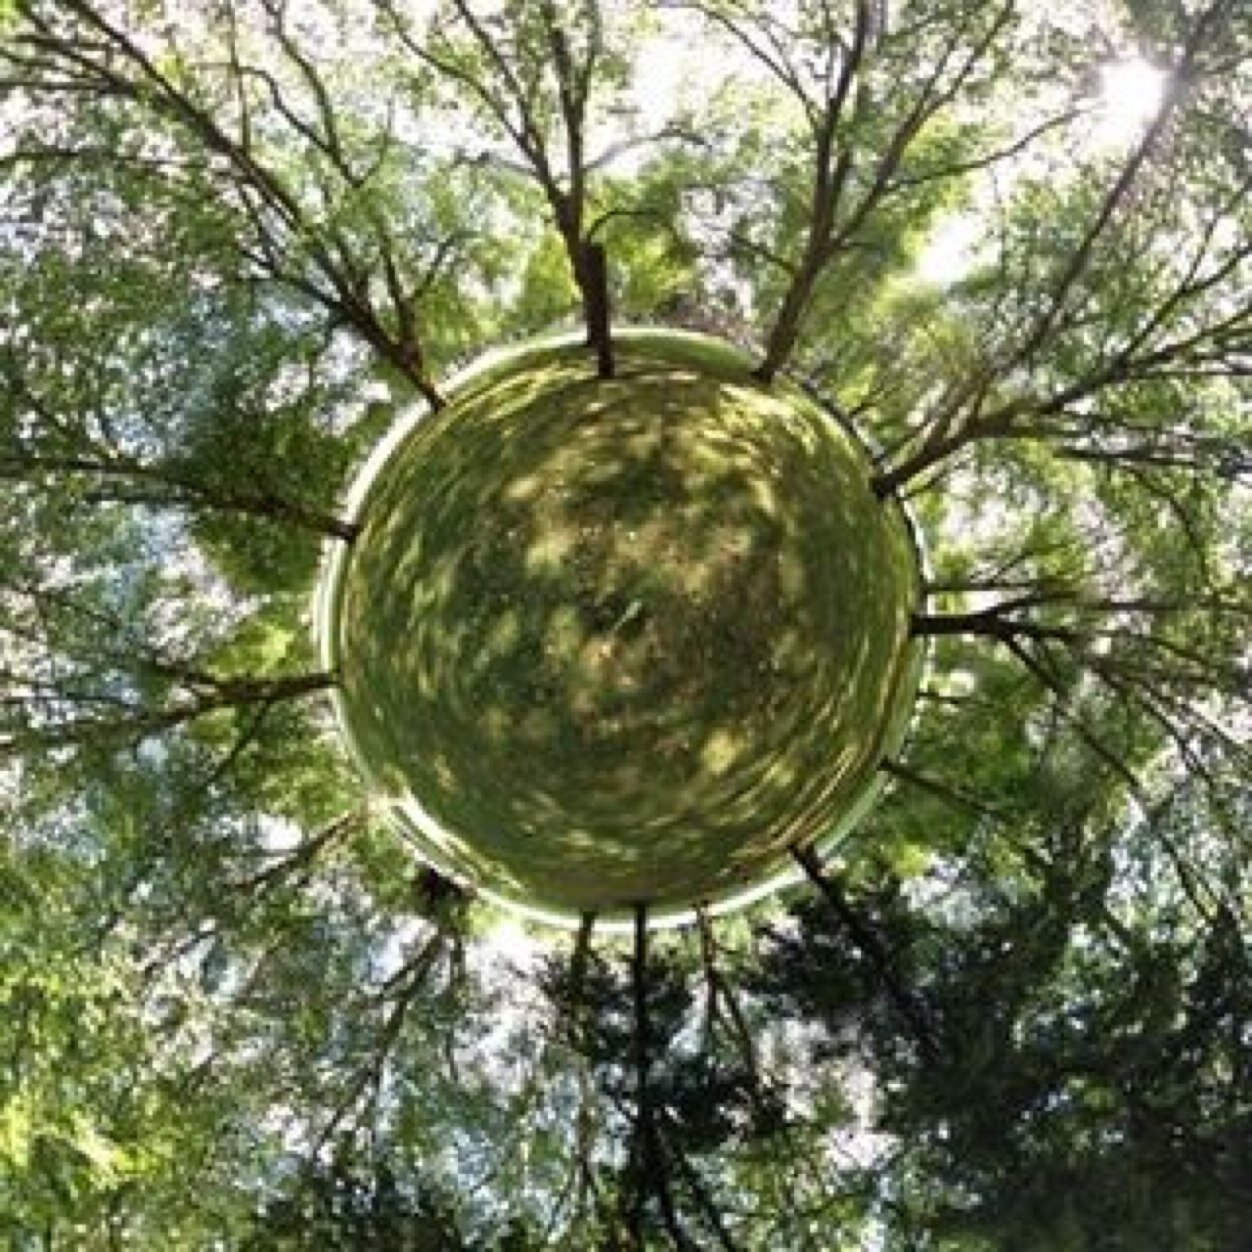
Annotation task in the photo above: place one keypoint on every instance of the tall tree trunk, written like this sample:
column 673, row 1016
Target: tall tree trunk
column 786, row 329
column 176, row 487
column 651, row 1169
column 575, row 1007
column 596, row 306
column 900, row 996
column 643, row 1107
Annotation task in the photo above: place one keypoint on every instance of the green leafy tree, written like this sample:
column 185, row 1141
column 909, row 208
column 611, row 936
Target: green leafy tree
column 1010, row 1010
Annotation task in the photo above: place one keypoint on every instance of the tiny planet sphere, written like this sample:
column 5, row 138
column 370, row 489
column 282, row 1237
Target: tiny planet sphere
column 605, row 643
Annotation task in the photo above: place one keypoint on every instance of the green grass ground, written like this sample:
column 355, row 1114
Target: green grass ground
column 627, row 640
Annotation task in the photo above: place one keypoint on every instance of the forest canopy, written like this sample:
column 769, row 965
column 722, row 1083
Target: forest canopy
column 1009, row 245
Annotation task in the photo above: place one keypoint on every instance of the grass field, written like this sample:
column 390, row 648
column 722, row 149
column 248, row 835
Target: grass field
column 626, row 640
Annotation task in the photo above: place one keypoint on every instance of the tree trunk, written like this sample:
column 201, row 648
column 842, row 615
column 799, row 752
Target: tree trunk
column 992, row 623
column 643, row 1108
column 596, row 306
column 786, row 329
column 574, row 1008
column 651, row 1178
column 176, row 488
column 900, row 996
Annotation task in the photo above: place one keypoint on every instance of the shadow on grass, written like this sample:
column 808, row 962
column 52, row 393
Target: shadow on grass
column 625, row 640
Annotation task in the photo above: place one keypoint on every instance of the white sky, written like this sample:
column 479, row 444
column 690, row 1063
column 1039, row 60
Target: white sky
column 1131, row 93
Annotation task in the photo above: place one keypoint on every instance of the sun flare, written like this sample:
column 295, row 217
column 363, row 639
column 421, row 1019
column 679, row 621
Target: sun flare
column 1131, row 94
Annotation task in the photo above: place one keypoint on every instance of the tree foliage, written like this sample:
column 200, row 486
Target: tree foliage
column 1013, row 1009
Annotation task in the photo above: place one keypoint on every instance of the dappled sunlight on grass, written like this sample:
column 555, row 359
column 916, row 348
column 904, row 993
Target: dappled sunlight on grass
column 624, row 640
